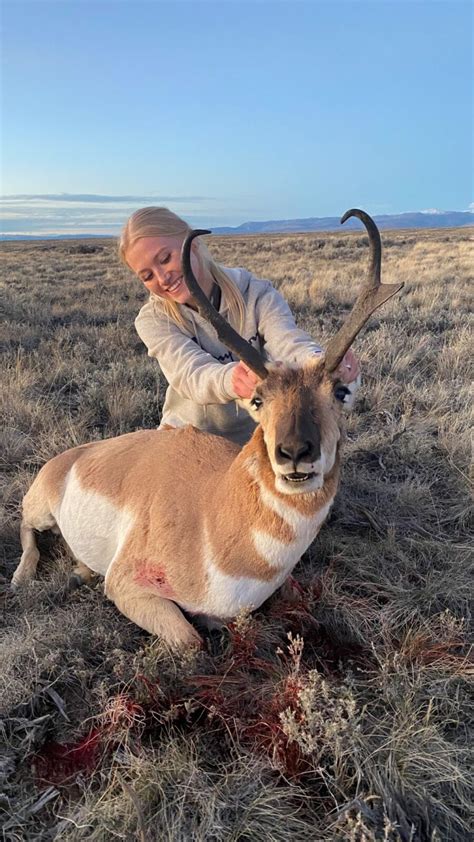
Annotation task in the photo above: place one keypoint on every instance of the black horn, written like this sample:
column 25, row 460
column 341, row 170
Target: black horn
column 226, row 333
column 371, row 296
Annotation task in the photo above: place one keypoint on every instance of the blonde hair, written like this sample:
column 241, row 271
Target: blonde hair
column 161, row 222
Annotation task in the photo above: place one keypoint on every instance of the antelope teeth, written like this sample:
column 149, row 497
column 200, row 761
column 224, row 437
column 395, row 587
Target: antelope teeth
column 297, row 477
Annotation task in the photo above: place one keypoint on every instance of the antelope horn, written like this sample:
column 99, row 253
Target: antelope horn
column 371, row 296
column 228, row 336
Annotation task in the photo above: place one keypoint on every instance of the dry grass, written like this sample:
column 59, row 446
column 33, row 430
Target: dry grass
column 362, row 733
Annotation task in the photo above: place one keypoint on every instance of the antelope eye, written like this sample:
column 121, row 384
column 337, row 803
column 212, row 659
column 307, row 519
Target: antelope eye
column 256, row 403
column 341, row 392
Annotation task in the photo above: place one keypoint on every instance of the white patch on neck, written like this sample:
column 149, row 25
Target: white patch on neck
column 278, row 553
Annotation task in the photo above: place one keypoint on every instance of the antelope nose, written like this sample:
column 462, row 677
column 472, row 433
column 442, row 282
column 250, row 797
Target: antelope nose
column 296, row 452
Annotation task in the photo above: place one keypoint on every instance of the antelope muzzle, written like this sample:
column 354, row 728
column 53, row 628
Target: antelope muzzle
column 298, row 448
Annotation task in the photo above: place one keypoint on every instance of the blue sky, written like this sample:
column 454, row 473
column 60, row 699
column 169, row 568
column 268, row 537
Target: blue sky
column 232, row 111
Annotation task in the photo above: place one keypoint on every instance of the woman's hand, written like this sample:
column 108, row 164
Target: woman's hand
column 244, row 380
column 349, row 369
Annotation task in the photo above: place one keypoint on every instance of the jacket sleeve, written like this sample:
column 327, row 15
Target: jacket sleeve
column 282, row 339
column 192, row 372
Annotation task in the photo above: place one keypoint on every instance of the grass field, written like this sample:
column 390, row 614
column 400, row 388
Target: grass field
column 345, row 717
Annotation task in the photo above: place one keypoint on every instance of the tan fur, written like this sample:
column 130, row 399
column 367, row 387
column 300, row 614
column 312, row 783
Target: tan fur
column 200, row 523
column 45, row 492
column 37, row 514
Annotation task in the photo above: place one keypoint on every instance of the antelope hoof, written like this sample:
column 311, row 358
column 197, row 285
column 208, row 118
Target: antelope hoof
column 74, row 582
column 184, row 638
column 81, row 575
column 21, row 578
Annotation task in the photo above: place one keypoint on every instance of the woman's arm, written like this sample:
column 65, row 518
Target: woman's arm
column 283, row 340
column 192, row 372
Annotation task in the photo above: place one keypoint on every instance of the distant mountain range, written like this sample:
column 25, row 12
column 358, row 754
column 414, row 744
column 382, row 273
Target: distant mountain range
column 418, row 219
column 423, row 219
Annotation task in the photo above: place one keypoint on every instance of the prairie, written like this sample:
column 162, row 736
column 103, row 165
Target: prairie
column 342, row 717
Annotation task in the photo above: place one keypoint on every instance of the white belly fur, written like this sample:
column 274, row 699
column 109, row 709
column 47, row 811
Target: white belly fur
column 92, row 526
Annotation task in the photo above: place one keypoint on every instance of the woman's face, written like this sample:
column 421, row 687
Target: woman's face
column 157, row 262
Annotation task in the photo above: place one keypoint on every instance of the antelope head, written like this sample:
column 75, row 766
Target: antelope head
column 300, row 408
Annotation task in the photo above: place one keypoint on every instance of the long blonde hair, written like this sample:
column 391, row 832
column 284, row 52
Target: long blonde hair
column 161, row 222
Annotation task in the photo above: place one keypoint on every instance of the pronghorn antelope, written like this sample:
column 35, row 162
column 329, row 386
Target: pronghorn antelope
column 180, row 519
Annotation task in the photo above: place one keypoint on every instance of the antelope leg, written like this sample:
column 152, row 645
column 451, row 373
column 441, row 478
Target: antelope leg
column 154, row 613
column 29, row 559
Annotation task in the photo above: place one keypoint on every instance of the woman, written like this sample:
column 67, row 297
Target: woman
column 205, row 381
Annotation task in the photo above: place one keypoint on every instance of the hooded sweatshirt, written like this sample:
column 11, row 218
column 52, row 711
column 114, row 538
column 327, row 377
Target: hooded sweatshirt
column 198, row 367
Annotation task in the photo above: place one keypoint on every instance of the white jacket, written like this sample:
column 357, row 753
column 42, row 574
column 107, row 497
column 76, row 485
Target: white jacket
column 199, row 368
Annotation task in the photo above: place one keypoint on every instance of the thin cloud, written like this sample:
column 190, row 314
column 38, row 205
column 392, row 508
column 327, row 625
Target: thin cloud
column 60, row 213
column 96, row 197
